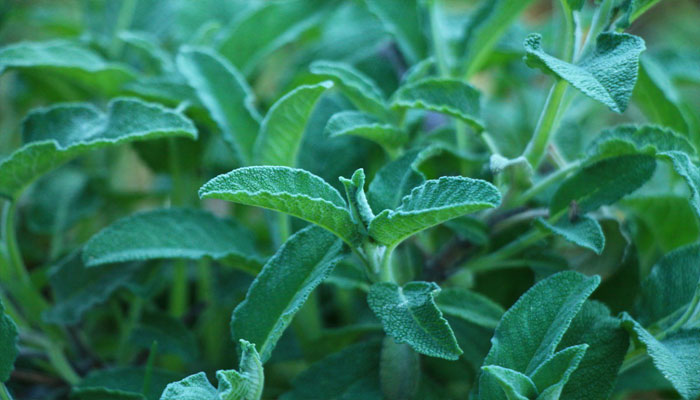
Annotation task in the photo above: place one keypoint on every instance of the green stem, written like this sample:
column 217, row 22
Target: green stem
column 179, row 289
column 4, row 393
column 600, row 21
column 146, row 388
column 544, row 184
column 126, row 14
column 438, row 38
column 386, row 269
column 536, row 148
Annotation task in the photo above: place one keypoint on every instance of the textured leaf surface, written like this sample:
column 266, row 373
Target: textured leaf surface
column 469, row 306
column 584, row 231
column 365, row 126
column 352, row 373
column 359, row 88
column 603, row 182
column 531, row 329
column 225, row 94
column 608, row 75
column 292, row 191
column 170, row 233
column 54, row 135
column 685, row 167
column 283, row 286
column 245, row 384
column 514, row 385
column 677, row 356
column 355, row 193
column 432, row 203
column 448, row 96
column 8, row 344
column 410, row 316
column 632, row 139
column 283, row 127
column 553, row 374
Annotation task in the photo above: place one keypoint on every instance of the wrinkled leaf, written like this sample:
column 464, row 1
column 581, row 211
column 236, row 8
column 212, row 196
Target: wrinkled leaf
column 584, row 231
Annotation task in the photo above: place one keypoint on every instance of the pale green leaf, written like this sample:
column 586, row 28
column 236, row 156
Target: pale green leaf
column 359, row 88
column 171, row 233
column 357, row 123
column 402, row 19
column 607, row 75
column 355, row 193
column 288, row 190
column 469, row 306
column 399, row 370
column 603, row 183
column 584, row 231
column 282, row 287
column 551, row 376
column 57, row 134
column 225, row 94
column 657, row 97
column 635, row 139
column 514, row 385
column 282, row 129
column 453, row 97
column 410, row 316
column 432, row 203
column 8, row 344
column 532, row 328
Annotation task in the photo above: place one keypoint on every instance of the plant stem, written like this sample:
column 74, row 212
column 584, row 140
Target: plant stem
column 386, row 269
column 545, row 183
column 126, row 14
column 4, row 393
column 179, row 288
column 438, row 38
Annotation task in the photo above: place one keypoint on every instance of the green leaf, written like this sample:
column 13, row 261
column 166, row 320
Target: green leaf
column 225, row 94
column 631, row 10
column 283, row 127
column 401, row 18
column 359, row 88
column 288, row 190
column 172, row 336
column 676, row 356
column 584, row 231
column 607, row 341
column 8, row 344
column 637, row 139
column 66, row 59
column 514, row 385
column 123, row 382
column 687, row 170
column 171, row 233
column 399, row 370
column 245, row 384
column 283, row 286
column 355, row 193
column 57, row 134
column 657, row 97
column 603, row 183
column 672, row 286
column 553, row 374
column 410, row 316
column 469, row 306
column 607, row 75
column 453, row 97
column 522, row 343
column 432, row 203
column 349, row 374
column 366, row 126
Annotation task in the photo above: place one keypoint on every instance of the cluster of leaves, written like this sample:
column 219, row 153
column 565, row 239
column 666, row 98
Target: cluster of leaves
column 388, row 179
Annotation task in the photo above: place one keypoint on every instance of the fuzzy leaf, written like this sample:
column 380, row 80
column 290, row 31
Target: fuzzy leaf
column 469, row 306
column 513, row 384
column 448, row 96
column 8, row 345
column 225, row 94
column 283, row 127
column 359, row 88
column 245, row 384
column 603, row 183
column 430, row 204
column 171, row 233
column 57, row 134
column 553, row 374
column 357, row 123
column 410, row 316
column 584, row 231
column 355, row 193
column 683, row 165
column 283, row 286
column 631, row 139
column 402, row 19
column 399, row 370
column 288, row 190
column 531, row 329
column 608, row 75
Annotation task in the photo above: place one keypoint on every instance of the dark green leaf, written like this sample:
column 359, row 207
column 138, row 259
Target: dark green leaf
column 584, row 231
column 553, row 374
column 514, row 385
column 399, row 370
column 127, row 382
column 633, row 139
column 8, row 345
column 658, row 98
column 469, row 306
column 683, row 165
column 401, row 18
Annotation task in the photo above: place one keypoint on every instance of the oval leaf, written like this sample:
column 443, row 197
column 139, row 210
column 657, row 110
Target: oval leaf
column 584, row 231
column 359, row 88
column 365, row 126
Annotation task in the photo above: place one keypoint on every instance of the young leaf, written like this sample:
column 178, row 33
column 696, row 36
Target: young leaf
column 553, row 374
column 632, row 139
column 469, row 306
column 608, row 75
column 283, row 127
column 225, row 94
column 584, row 231
column 401, row 18
column 396, row 179
column 171, row 233
column 57, row 134
column 283, row 286
column 448, row 96
column 355, row 192
column 366, row 126
column 245, row 384
column 349, row 374
column 399, row 370
column 410, row 316
column 531, row 329
column 513, row 384
column 603, row 183
column 676, row 356
column 8, row 345
column 359, row 88
column 288, row 190
column 430, row 204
